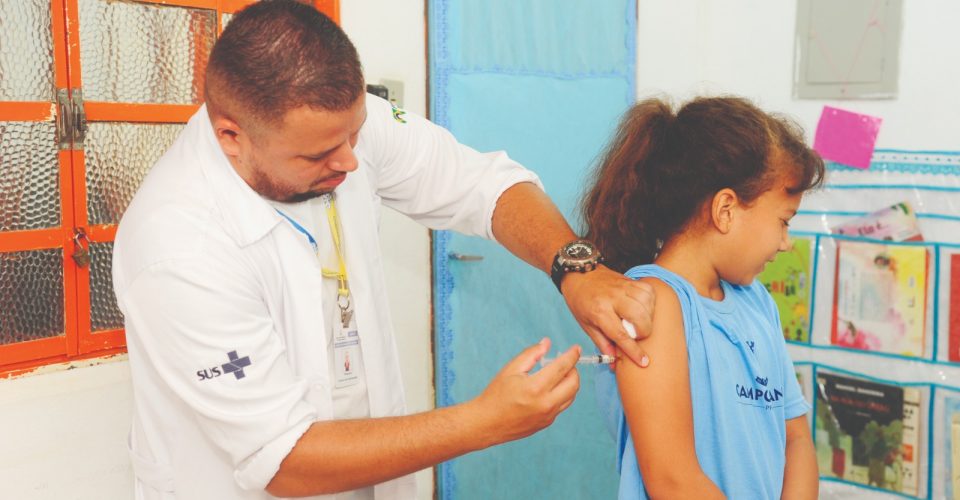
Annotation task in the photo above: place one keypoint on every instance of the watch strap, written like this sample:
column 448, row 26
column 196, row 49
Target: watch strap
column 558, row 270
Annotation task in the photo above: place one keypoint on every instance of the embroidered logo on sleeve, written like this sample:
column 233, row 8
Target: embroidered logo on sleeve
column 235, row 365
column 398, row 113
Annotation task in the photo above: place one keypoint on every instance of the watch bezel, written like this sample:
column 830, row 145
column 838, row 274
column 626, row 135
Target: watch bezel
column 569, row 263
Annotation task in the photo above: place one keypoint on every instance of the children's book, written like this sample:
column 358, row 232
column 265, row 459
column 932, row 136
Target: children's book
column 953, row 325
column 894, row 223
column 787, row 279
column 880, row 297
column 952, row 452
column 868, row 432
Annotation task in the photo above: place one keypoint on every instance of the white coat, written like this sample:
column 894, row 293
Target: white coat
column 221, row 300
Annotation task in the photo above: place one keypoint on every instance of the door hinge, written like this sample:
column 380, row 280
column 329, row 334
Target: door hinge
column 71, row 119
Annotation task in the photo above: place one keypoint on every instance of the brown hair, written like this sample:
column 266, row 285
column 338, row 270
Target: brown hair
column 277, row 55
column 661, row 166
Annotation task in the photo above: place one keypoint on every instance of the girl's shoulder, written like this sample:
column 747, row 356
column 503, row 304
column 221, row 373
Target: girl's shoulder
column 664, row 282
column 679, row 284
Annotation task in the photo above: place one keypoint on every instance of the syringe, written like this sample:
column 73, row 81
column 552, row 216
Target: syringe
column 591, row 359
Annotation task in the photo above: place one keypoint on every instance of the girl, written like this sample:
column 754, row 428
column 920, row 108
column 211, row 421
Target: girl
column 699, row 201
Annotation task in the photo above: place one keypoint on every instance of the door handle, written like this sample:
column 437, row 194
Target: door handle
column 463, row 257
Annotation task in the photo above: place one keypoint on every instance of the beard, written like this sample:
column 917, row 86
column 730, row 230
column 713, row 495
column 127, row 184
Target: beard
column 278, row 191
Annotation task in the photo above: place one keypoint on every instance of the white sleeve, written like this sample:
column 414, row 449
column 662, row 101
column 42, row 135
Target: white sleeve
column 420, row 170
column 196, row 313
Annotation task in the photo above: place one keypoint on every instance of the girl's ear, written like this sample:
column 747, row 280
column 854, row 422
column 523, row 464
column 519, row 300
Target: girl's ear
column 722, row 209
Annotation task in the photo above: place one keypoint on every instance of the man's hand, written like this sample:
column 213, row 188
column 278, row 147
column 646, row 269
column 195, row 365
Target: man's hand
column 342, row 455
column 599, row 299
column 517, row 404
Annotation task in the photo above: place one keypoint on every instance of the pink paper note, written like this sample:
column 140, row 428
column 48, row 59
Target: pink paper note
column 846, row 137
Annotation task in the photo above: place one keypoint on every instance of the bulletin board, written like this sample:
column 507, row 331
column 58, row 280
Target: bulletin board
column 874, row 327
column 550, row 93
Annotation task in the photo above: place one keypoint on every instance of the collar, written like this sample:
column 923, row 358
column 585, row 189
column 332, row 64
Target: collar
column 246, row 216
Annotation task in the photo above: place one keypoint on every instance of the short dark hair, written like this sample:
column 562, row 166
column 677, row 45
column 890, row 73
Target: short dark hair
column 662, row 165
column 277, row 55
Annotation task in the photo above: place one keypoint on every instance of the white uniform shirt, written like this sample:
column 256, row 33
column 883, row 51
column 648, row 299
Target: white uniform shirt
column 220, row 296
column 350, row 401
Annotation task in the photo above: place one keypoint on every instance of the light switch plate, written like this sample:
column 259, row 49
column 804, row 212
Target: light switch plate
column 394, row 91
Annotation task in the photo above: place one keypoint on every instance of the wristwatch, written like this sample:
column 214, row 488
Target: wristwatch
column 580, row 256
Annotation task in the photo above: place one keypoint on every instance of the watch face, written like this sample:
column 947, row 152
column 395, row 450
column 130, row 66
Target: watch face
column 579, row 251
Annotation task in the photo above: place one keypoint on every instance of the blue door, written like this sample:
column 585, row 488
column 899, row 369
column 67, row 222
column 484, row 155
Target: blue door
column 548, row 85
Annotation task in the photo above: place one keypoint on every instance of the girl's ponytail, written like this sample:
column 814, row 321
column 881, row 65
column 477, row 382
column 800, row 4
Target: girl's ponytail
column 615, row 211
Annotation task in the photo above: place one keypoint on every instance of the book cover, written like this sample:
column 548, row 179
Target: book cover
column 868, row 432
column 788, row 279
column 894, row 223
column 951, row 457
column 880, row 299
column 953, row 326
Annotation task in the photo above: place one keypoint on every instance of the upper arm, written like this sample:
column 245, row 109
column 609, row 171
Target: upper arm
column 798, row 428
column 656, row 399
column 423, row 172
column 191, row 324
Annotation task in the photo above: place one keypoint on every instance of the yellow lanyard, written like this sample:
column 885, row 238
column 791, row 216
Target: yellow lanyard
column 343, row 291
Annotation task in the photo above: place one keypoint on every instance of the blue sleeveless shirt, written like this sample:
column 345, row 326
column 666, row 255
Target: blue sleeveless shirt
column 743, row 389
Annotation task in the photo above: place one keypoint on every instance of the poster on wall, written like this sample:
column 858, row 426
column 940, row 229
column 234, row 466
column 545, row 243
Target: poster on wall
column 787, row 279
column 880, row 297
column 953, row 326
column 868, row 432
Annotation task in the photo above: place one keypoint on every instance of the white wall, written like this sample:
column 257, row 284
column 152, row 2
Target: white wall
column 746, row 47
column 391, row 38
column 63, row 431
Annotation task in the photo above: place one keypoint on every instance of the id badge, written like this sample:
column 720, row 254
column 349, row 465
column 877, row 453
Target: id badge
column 346, row 355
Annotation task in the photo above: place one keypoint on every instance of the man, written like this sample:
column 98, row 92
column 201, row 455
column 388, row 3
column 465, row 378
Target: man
column 248, row 271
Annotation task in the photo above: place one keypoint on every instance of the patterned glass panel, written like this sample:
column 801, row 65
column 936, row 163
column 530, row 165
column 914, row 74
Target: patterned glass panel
column 144, row 53
column 29, row 176
column 118, row 156
column 104, row 314
column 26, row 51
column 31, row 295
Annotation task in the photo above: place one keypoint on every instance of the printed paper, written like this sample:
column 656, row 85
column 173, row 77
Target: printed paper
column 788, row 279
column 952, row 455
column 881, row 295
column 894, row 223
column 953, row 327
column 868, row 432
